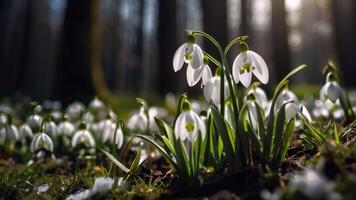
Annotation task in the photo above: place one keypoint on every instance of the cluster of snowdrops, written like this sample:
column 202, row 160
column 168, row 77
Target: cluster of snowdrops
column 237, row 127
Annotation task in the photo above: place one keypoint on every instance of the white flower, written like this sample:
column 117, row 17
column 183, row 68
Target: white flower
column 25, row 131
column 188, row 125
column 88, row 118
column 102, row 185
column 106, row 129
column 194, row 75
column 34, row 121
column 331, row 90
column 245, row 64
column 212, row 91
column 96, row 105
column 74, row 111
column 189, row 53
column 260, row 96
column 66, row 128
column 50, row 128
column 138, row 121
column 154, row 112
column 41, row 141
column 84, row 137
column 312, row 184
column 119, row 137
column 284, row 97
column 9, row 133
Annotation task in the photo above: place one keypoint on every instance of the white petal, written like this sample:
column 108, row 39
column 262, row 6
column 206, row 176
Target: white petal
column 206, row 74
column 197, row 60
column 236, row 67
column 193, row 76
column 209, row 89
column 304, row 111
column 246, row 79
column 179, row 127
column 178, row 58
column 291, row 110
column 261, row 71
column 201, row 125
column 333, row 91
column 191, row 118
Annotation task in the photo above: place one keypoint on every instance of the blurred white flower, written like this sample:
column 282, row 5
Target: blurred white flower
column 50, row 128
column 284, row 97
column 331, row 90
column 248, row 63
column 83, row 137
column 212, row 91
column 119, row 137
column 275, row 195
column 154, row 112
column 34, row 121
column 106, row 130
column 190, row 53
column 102, row 185
column 74, row 111
column 96, row 105
column 66, row 128
column 41, row 141
column 188, row 125
column 25, row 131
column 313, row 184
column 138, row 121
column 260, row 96
column 9, row 133
column 88, row 118
column 194, row 75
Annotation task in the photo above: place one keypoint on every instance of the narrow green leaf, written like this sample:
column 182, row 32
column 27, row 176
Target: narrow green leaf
column 286, row 141
column 115, row 161
column 136, row 162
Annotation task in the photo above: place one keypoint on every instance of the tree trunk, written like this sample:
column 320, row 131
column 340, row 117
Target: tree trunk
column 167, row 45
column 281, row 57
column 215, row 24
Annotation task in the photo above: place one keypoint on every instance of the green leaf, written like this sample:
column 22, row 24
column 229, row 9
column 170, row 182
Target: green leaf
column 286, row 141
column 115, row 161
column 279, row 129
column 136, row 162
column 220, row 123
column 243, row 133
column 165, row 129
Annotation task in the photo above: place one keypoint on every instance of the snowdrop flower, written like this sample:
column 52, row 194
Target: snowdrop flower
column 190, row 53
column 194, row 75
column 96, row 105
column 188, row 125
column 74, row 111
column 41, row 141
column 284, row 97
column 50, row 128
column 83, row 137
column 154, row 112
column 138, row 121
column 3, row 119
column 312, row 184
column 9, row 133
column 119, row 137
column 212, row 91
column 102, row 185
column 88, row 118
column 25, row 131
column 260, row 96
column 320, row 110
column 248, row 63
column 106, row 130
column 34, row 121
column 66, row 128
column 331, row 90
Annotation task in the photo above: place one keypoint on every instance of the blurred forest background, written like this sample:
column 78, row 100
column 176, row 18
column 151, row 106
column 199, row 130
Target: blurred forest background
column 72, row 49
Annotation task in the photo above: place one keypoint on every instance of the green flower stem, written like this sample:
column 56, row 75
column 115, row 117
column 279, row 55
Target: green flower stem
column 234, row 41
column 225, row 72
column 222, row 75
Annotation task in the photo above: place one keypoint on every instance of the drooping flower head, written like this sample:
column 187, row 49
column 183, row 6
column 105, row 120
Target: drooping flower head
column 138, row 121
column 41, row 141
column 189, row 53
column 331, row 90
column 212, row 90
column 189, row 124
column 247, row 63
column 203, row 73
column 83, row 137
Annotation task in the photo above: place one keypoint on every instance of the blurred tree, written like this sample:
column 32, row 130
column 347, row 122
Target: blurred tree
column 344, row 13
column 73, row 71
column 167, row 34
column 279, row 30
column 215, row 23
